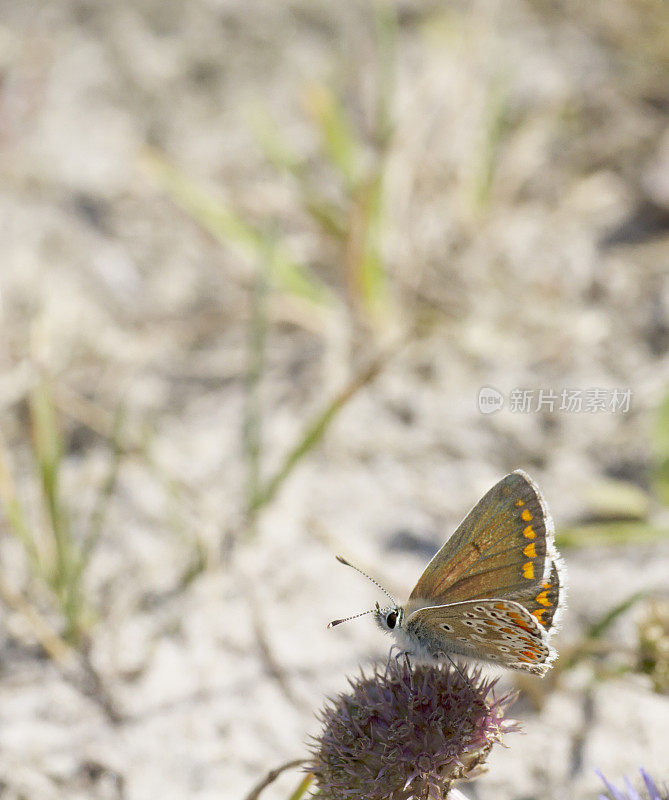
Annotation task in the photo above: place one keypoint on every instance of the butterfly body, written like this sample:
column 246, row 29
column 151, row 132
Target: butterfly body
column 494, row 591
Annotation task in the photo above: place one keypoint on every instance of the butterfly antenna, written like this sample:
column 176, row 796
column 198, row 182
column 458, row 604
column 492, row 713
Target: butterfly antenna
column 342, row 560
column 355, row 616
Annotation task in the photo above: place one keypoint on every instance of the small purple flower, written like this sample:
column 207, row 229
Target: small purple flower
column 630, row 793
column 405, row 733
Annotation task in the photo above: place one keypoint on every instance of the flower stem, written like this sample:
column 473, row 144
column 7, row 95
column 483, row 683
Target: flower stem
column 272, row 775
column 302, row 787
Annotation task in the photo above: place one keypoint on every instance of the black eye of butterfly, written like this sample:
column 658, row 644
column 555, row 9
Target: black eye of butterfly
column 391, row 619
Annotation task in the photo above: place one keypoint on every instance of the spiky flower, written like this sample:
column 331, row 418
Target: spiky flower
column 650, row 792
column 404, row 733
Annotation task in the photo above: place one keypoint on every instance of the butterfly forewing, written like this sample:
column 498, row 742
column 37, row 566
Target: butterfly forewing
column 496, row 630
column 544, row 599
column 499, row 550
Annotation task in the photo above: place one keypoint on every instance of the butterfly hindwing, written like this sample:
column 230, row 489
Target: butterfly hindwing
column 497, row 630
column 500, row 549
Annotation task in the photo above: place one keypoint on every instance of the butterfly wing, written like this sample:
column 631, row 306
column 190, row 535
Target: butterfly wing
column 500, row 549
column 497, row 630
column 545, row 599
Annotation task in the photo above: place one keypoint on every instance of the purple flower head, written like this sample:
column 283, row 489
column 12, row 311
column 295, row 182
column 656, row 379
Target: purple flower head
column 651, row 791
column 405, row 733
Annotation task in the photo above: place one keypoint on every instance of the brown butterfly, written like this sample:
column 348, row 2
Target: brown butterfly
column 495, row 590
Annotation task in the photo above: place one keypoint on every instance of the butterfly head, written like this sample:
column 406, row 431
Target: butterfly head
column 389, row 618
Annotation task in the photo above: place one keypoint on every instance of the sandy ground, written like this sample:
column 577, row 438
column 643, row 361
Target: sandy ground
column 559, row 282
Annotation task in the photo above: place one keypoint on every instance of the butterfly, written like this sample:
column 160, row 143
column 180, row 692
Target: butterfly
column 494, row 591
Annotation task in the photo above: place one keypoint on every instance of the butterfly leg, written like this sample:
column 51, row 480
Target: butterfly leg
column 390, row 653
column 404, row 653
column 409, row 670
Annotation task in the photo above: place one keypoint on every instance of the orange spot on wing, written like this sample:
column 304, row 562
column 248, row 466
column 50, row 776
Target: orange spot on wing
column 529, row 551
column 546, row 585
column 519, row 621
column 526, row 515
column 520, row 502
column 539, row 614
column 528, row 570
column 530, row 654
column 542, row 599
column 529, row 533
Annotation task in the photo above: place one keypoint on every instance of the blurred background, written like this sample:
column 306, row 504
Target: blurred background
column 258, row 261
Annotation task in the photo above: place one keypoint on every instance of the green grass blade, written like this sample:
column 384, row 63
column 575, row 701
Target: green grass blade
column 610, row 533
column 661, row 428
column 329, row 217
column 609, row 500
column 371, row 273
column 338, row 136
column 222, row 222
column 597, row 629
column 496, row 128
column 105, row 492
column 274, row 146
column 64, row 575
column 197, row 564
column 48, row 449
column 252, row 433
column 15, row 513
column 385, row 24
column 315, row 430
column 661, row 447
